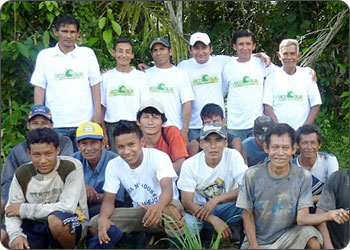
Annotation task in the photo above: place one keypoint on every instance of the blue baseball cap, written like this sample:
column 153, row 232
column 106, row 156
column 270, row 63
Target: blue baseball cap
column 39, row 110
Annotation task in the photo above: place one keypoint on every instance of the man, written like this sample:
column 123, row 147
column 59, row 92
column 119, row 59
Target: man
column 149, row 178
column 47, row 200
column 151, row 120
column 321, row 165
column 123, row 89
column 254, row 145
column 243, row 81
column 275, row 197
column 212, row 112
column 209, row 183
column 67, row 77
column 170, row 86
column 335, row 195
column 291, row 96
column 94, row 160
column 39, row 117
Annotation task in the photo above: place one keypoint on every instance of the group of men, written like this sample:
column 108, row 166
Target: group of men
column 168, row 127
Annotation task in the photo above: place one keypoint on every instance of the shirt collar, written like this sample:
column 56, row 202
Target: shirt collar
column 58, row 52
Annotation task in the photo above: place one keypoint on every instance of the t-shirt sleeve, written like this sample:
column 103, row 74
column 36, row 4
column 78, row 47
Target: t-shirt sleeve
column 94, row 69
column 177, row 144
column 313, row 94
column 268, row 90
column 224, row 76
column 239, row 168
column 245, row 195
column 186, row 91
column 38, row 77
column 187, row 181
column 305, row 197
column 103, row 88
column 112, row 181
column 333, row 165
column 165, row 168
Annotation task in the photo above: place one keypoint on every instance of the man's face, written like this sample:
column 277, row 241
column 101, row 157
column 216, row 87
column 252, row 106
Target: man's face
column 39, row 121
column 244, row 47
column 43, row 156
column 67, row 35
column 213, row 145
column 129, row 148
column 309, row 145
column 214, row 118
column 91, row 149
column 201, row 52
column 280, row 150
column 289, row 57
column 161, row 55
column 123, row 54
column 150, row 124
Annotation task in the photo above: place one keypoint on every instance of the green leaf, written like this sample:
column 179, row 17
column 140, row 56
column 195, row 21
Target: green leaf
column 46, row 39
column 107, row 35
column 102, row 22
column 116, row 27
column 23, row 49
column 305, row 25
column 41, row 5
column 49, row 6
column 92, row 41
column 110, row 15
column 26, row 5
column 4, row 44
column 50, row 17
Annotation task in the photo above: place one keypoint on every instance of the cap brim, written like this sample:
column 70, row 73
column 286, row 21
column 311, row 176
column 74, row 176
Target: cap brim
column 212, row 132
column 97, row 137
column 155, row 42
column 42, row 114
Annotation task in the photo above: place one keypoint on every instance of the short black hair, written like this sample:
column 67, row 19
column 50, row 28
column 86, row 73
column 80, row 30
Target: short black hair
column 150, row 110
column 309, row 129
column 66, row 19
column 210, row 110
column 243, row 33
column 42, row 135
column 127, row 127
column 279, row 130
column 124, row 40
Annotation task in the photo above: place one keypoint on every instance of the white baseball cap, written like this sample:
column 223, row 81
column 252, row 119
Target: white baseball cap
column 199, row 37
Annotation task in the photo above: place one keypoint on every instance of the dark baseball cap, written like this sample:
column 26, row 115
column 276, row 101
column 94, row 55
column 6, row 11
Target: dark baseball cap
column 262, row 125
column 39, row 110
column 160, row 40
column 212, row 127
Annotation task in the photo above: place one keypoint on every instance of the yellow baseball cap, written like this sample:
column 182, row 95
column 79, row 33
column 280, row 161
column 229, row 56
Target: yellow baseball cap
column 89, row 130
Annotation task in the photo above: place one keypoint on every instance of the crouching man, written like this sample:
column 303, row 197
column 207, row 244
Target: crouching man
column 41, row 210
column 149, row 177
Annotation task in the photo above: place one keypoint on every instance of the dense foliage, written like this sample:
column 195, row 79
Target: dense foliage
column 26, row 28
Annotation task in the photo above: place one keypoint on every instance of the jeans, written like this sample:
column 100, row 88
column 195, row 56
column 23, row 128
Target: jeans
column 193, row 133
column 69, row 132
column 241, row 133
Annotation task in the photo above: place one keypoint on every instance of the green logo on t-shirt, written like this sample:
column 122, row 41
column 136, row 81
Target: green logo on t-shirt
column 205, row 79
column 69, row 74
column 161, row 88
column 121, row 91
column 290, row 96
column 246, row 81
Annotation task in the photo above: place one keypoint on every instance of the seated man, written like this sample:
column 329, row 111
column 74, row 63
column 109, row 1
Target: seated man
column 47, row 200
column 254, row 146
column 209, row 182
column 39, row 117
column 151, row 120
column 149, row 178
column 335, row 195
column 94, row 159
column 212, row 112
column 275, row 197
column 321, row 165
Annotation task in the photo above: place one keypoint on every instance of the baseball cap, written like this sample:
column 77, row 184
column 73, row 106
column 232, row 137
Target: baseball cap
column 153, row 104
column 261, row 125
column 39, row 110
column 160, row 40
column 212, row 127
column 199, row 37
column 89, row 130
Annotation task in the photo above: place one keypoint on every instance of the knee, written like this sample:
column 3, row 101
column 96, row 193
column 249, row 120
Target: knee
column 313, row 243
column 55, row 223
column 4, row 238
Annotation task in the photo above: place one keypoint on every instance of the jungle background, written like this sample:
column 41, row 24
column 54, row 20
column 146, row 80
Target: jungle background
column 322, row 27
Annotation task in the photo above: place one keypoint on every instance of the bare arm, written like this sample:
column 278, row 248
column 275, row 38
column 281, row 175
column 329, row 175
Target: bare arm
column 177, row 164
column 106, row 211
column 193, row 147
column 186, row 116
column 249, row 228
column 327, row 243
column 264, row 58
column 269, row 112
column 103, row 125
column 304, row 217
column 96, row 96
column 39, row 95
column 312, row 114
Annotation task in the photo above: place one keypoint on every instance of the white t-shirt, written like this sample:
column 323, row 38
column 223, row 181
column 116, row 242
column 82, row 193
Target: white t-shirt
column 206, row 83
column 172, row 88
column 291, row 96
column 206, row 182
column 244, row 83
column 122, row 94
column 142, row 183
column 67, row 79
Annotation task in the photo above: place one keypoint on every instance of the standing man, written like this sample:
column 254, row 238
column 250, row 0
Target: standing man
column 39, row 117
column 170, row 86
column 67, row 79
column 123, row 89
column 291, row 95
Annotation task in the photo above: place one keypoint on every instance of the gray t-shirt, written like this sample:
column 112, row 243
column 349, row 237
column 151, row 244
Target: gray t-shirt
column 274, row 201
column 255, row 154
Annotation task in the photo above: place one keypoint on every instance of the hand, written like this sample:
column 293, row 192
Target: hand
column 91, row 193
column 105, row 142
column 264, row 58
column 142, row 66
column 13, row 209
column 220, row 225
column 312, row 73
column 104, row 70
column 340, row 216
column 103, row 225
column 19, row 243
column 152, row 216
column 204, row 211
column 185, row 134
column 97, row 117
